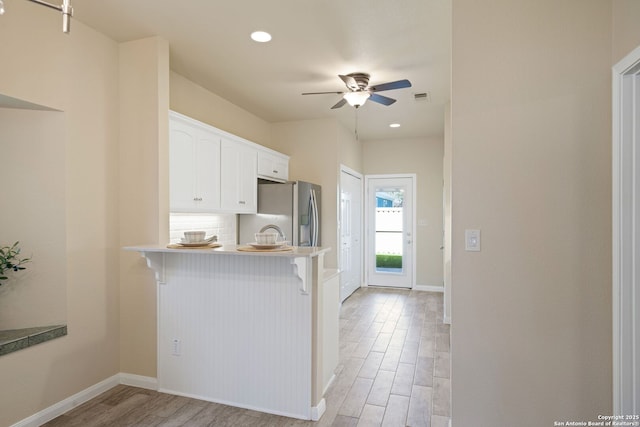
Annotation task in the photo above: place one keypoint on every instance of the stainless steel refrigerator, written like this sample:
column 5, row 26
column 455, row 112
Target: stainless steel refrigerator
column 292, row 207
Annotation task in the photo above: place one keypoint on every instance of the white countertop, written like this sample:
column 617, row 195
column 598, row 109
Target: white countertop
column 295, row 252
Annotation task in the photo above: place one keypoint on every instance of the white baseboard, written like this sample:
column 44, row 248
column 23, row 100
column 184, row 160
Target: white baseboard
column 85, row 395
column 428, row 288
column 326, row 387
column 139, row 381
column 69, row 403
column 317, row 411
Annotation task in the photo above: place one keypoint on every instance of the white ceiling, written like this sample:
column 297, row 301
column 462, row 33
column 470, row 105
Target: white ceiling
column 313, row 42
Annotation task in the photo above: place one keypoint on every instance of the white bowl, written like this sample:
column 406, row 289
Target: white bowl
column 194, row 236
column 266, row 238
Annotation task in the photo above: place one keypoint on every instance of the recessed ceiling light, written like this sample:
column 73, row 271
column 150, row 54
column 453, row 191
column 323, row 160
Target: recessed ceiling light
column 260, row 36
column 394, row 125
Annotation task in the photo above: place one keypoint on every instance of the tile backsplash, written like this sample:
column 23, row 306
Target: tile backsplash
column 222, row 225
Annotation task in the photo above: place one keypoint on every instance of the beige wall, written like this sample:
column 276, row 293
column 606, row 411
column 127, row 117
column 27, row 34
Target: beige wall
column 349, row 149
column 626, row 31
column 32, row 213
column 195, row 101
column 424, row 158
column 77, row 74
column 531, row 332
column 144, row 201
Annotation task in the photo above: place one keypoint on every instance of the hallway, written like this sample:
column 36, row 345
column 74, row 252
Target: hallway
column 393, row 371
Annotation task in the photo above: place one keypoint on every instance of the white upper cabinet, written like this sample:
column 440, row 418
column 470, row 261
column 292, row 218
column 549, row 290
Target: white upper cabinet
column 213, row 171
column 239, row 180
column 273, row 166
column 193, row 167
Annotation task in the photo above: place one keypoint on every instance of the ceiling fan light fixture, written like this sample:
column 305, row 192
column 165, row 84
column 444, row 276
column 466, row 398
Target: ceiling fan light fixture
column 260, row 36
column 357, row 98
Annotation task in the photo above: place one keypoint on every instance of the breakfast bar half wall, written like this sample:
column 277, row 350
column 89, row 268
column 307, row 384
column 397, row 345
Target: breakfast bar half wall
column 257, row 330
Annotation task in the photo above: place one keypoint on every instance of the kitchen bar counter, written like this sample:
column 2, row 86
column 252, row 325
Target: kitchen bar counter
column 244, row 328
column 296, row 251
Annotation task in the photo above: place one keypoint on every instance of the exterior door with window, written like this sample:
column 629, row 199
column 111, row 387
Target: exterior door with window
column 390, row 224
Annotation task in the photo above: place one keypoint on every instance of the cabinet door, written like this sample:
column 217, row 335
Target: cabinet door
column 207, row 164
column 182, row 173
column 238, row 180
column 273, row 167
column 194, row 168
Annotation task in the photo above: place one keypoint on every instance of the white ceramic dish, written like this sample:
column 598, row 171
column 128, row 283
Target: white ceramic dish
column 194, row 236
column 195, row 244
column 206, row 241
column 266, row 246
column 266, row 238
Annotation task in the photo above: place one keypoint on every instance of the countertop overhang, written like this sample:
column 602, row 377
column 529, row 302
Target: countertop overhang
column 295, row 252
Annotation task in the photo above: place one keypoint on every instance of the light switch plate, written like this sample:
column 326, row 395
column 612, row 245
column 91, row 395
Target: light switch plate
column 472, row 240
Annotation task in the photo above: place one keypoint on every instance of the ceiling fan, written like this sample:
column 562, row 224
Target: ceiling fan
column 359, row 90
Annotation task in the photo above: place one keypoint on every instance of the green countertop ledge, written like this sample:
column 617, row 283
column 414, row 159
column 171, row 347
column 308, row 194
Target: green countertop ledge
column 16, row 339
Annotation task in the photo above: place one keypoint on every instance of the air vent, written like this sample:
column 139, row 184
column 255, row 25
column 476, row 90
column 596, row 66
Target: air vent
column 424, row 96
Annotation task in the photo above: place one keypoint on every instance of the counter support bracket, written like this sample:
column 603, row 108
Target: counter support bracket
column 303, row 270
column 155, row 261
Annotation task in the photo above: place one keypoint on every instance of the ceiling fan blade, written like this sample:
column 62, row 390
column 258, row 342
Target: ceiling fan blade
column 350, row 82
column 384, row 100
column 322, row 93
column 339, row 104
column 389, row 86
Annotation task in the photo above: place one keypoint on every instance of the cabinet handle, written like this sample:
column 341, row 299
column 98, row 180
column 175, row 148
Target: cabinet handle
column 242, row 202
column 274, row 171
column 197, row 199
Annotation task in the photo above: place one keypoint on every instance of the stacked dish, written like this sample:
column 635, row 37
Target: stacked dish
column 265, row 246
column 195, row 239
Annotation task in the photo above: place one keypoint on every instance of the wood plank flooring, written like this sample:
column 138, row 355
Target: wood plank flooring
column 393, row 371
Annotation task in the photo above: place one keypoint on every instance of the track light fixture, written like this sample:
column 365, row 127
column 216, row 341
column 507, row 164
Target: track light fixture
column 65, row 8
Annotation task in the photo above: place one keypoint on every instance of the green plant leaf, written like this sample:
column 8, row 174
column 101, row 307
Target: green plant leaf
column 9, row 259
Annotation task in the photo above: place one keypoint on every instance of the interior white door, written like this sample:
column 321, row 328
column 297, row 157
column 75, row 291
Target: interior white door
column 390, row 225
column 626, row 240
column 350, row 232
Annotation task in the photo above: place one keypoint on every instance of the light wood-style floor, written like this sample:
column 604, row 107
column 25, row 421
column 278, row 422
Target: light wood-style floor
column 393, row 371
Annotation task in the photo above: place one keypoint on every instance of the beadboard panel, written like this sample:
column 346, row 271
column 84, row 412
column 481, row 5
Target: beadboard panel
column 244, row 332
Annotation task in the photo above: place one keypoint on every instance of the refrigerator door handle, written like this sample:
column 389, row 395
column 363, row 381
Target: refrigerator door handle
column 311, row 219
column 315, row 216
column 317, row 229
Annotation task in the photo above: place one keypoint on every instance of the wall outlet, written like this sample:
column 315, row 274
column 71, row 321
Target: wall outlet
column 176, row 347
column 472, row 240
